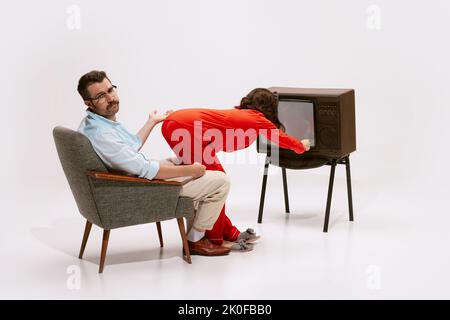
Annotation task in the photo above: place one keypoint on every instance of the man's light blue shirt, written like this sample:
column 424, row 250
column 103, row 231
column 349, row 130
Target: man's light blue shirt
column 116, row 146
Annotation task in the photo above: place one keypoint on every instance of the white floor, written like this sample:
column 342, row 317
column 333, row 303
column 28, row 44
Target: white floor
column 396, row 248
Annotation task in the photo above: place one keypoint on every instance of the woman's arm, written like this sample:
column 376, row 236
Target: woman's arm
column 283, row 140
column 279, row 137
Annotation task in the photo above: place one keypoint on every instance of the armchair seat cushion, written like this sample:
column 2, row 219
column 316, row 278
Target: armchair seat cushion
column 123, row 204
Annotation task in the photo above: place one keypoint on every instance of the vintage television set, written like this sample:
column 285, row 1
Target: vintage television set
column 327, row 118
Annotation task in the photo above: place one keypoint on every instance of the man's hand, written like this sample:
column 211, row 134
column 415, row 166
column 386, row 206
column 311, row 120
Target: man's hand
column 157, row 118
column 306, row 143
column 198, row 170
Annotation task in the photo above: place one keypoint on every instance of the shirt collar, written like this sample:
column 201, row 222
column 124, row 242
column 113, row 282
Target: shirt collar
column 102, row 119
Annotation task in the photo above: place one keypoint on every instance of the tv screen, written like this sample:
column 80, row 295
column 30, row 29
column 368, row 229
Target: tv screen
column 297, row 117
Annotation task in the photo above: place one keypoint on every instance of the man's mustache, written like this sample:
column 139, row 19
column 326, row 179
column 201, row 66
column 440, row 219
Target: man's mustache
column 113, row 103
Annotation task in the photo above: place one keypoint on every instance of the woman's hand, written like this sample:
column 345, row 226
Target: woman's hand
column 157, row 118
column 306, row 143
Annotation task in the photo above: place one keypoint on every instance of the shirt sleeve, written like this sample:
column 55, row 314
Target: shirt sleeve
column 277, row 136
column 138, row 142
column 118, row 155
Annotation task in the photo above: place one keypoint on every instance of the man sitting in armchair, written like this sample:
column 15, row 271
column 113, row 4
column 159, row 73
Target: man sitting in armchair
column 119, row 150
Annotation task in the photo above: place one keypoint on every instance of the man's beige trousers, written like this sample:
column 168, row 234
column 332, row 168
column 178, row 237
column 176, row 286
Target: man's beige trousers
column 209, row 193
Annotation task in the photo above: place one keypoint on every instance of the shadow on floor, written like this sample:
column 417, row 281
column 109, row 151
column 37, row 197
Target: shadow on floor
column 65, row 235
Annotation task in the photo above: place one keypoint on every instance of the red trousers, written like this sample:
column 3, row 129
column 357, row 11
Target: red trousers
column 223, row 228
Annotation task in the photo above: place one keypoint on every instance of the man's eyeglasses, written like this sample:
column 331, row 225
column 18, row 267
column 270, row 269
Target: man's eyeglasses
column 101, row 97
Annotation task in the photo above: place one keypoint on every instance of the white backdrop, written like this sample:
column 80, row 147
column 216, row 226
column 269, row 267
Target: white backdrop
column 203, row 53
column 175, row 54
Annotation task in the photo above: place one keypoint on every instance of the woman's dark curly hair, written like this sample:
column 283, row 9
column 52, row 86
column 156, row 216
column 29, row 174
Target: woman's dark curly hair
column 265, row 101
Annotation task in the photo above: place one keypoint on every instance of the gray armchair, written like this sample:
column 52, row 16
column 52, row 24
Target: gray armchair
column 111, row 200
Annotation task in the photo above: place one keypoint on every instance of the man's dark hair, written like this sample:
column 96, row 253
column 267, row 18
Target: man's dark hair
column 89, row 78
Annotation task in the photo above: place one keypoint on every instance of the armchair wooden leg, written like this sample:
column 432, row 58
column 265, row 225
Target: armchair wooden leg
column 87, row 230
column 184, row 238
column 104, row 248
column 158, row 226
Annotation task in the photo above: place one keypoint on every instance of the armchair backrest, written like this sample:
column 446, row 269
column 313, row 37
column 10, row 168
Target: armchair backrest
column 77, row 156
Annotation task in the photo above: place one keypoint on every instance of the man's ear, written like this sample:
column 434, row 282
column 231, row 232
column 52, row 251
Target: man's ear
column 88, row 103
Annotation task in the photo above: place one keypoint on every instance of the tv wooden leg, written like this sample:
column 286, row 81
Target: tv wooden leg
column 285, row 188
column 104, row 248
column 263, row 190
column 330, row 193
column 158, row 226
column 87, row 230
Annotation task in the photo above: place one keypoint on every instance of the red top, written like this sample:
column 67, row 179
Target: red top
column 251, row 122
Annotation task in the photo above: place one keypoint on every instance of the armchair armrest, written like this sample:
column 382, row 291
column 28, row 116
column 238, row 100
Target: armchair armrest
column 121, row 177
